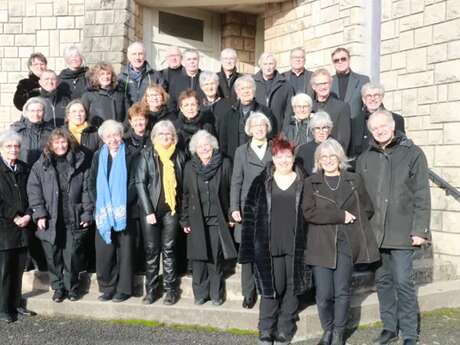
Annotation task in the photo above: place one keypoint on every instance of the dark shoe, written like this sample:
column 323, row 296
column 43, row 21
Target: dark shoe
column 25, row 312
column 386, row 337
column 200, row 301
column 6, row 318
column 105, row 297
column 148, row 299
column 217, row 302
column 337, row 338
column 170, row 298
column 249, row 302
column 326, row 338
column 265, row 337
column 59, row 296
column 282, row 339
column 120, row 297
column 74, row 296
column 410, row 342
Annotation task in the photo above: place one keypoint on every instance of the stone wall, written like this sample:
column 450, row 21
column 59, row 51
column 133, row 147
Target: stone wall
column 420, row 68
column 319, row 26
column 239, row 33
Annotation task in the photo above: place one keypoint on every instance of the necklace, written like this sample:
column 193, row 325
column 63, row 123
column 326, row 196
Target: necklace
column 333, row 188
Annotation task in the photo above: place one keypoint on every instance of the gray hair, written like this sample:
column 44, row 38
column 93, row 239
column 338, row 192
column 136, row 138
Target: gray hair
column 9, row 135
column 73, row 102
column 301, row 98
column 247, row 78
column 110, row 125
column 320, row 118
column 166, row 124
column 264, row 56
column 318, row 72
column 334, row 147
column 191, row 51
column 34, row 100
column 137, row 43
column 206, row 76
column 229, row 51
column 372, row 86
column 297, row 49
column 69, row 51
column 203, row 134
column 254, row 116
column 381, row 113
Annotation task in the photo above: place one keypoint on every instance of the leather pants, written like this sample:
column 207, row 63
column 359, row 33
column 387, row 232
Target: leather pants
column 160, row 238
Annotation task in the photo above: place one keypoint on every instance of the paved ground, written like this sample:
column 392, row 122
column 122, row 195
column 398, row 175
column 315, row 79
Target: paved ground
column 438, row 328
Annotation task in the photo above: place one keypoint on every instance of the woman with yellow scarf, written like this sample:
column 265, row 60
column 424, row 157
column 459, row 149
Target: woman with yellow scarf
column 158, row 183
column 84, row 133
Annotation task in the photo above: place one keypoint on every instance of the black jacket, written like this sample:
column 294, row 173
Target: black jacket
column 27, row 88
column 148, row 178
column 255, row 241
column 103, row 105
column 187, row 127
column 306, row 76
column 360, row 135
column 229, row 127
column 181, row 83
column 13, row 202
column 340, row 115
column 132, row 91
column 163, row 114
column 397, row 181
column 305, row 155
column 192, row 213
column 226, row 85
column 43, row 187
column 325, row 215
column 90, row 140
column 278, row 98
column 34, row 138
column 74, row 82
column 169, row 75
column 56, row 103
column 297, row 132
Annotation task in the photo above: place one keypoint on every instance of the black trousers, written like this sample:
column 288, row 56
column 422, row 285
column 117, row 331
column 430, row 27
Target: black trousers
column 208, row 276
column 160, row 238
column 333, row 292
column 65, row 259
column 137, row 239
column 36, row 258
column 114, row 266
column 279, row 314
column 248, row 285
column 12, row 263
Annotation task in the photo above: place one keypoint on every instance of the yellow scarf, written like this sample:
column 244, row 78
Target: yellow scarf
column 77, row 130
column 168, row 174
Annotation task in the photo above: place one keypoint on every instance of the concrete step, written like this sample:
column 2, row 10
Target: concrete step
column 364, row 309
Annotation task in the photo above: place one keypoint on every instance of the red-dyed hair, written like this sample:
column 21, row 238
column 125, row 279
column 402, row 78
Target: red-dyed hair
column 281, row 144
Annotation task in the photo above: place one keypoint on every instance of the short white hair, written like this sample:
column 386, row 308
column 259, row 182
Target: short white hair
column 207, row 76
column 10, row 135
column 203, row 134
column 110, row 126
column 166, row 124
column 301, row 98
column 264, row 56
column 247, row 78
column 334, row 147
column 72, row 50
column 320, row 118
column 381, row 113
column 229, row 51
column 34, row 100
column 137, row 43
column 372, row 86
column 254, row 116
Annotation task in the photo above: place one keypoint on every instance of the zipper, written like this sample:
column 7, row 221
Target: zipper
column 325, row 197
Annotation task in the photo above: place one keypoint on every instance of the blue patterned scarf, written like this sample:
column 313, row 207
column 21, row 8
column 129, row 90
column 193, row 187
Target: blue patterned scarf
column 111, row 193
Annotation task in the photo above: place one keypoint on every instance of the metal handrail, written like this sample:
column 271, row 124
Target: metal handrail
column 448, row 188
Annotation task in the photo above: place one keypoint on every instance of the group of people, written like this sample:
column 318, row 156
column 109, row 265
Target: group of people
column 297, row 175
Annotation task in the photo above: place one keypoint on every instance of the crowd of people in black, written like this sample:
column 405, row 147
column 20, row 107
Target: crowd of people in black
column 297, row 175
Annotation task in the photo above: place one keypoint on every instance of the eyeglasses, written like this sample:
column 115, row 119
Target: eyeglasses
column 374, row 95
column 321, row 129
column 164, row 134
column 326, row 158
column 306, row 106
column 342, row 59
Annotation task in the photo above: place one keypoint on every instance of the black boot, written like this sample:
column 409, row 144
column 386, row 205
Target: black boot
column 326, row 338
column 338, row 337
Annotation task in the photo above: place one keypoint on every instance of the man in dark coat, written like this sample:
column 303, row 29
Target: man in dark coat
column 395, row 173
column 298, row 76
column 231, row 131
column 174, row 62
column 338, row 111
column 55, row 97
column 228, row 74
column 138, row 74
column 372, row 96
column 29, row 87
column 272, row 90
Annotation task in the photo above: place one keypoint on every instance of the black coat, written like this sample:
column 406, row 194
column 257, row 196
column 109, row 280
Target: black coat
column 305, row 155
column 148, row 178
column 27, row 88
column 90, row 140
column 397, row 182
column 360, row 135
column 297, row 132
column 278, row 99
column 181, row 83
column 74, row 82
column 34, row 138
column 13, row 202
column 306, row 76
column 226, row 85
column 163, row 114
column 169, row 75
column 43, row 187
column 229, row 127
column 325, row 215
column 192, row 213
column 134, row 91
column 255, row 241
column 103, row 105
column 340, row 115
column 56, row 102
column 246, row 167
column 187, row 127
